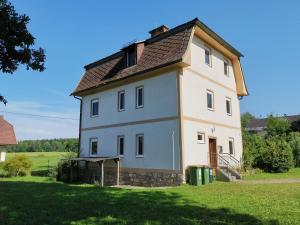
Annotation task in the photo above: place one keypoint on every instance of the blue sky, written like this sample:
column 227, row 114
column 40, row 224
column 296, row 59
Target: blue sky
column 75, row 33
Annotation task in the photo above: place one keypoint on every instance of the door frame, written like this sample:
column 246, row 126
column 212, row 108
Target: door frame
column 209, row 151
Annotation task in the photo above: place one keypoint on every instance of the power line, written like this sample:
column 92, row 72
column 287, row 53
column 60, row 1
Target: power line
column 37, row 115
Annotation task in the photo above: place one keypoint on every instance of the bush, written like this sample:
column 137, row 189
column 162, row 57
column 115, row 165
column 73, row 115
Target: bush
column 253, row 145
column 294, row 140
column 19, row 165
column 277, row 156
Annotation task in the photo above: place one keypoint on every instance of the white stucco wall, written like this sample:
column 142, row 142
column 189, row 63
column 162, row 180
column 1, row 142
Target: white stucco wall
column 160, row 101
column 158, row 144
column 196, row 80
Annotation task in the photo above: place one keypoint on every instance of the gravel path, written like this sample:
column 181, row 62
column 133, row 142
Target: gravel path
column 271, row 181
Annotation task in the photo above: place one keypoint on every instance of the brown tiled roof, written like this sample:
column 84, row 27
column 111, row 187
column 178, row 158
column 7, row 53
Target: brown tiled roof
column 7, row 134
column 262, row 123
column 159, row 51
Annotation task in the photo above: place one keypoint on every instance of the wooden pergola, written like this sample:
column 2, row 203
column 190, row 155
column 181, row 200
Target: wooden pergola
column 100, row 161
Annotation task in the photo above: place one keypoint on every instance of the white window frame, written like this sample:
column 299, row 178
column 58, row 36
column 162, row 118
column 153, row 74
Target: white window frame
column 231, row 139
column 119, row 101
column 118, row 142
column 212, row 99
column 137, row 146
column 92, row 140
column 203, row 137
column 137, row 97
column 227, row 67
column 230, row 106
column 206, row 48
column 91, row 108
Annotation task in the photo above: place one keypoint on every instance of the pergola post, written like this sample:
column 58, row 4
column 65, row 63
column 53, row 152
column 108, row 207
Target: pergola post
column 102, row 173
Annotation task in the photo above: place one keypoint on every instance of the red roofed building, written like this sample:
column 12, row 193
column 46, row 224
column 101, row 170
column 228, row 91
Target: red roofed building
column 7, row 133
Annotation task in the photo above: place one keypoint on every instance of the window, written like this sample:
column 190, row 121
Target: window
column 231, row 146
column 121, row 100
column 207, row 56
column 228, row 106
column 139, row 97
column 200, row 138
column 93, row 146
column 139, row 145
column 95, row 107
column 220, row 149
column 121, row 143
column 226, row 67
column 130, row 57
column 210, row 100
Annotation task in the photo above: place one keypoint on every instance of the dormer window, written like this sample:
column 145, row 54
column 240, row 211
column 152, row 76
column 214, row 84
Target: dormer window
column 131, row 56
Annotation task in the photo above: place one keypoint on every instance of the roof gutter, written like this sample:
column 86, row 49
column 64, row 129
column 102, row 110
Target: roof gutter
column 80, row 124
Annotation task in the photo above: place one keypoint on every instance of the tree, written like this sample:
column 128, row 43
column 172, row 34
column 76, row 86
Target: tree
column 277, row 157
column 295, row 126
column 245, row 119
column 16, row 42
column 277, row 126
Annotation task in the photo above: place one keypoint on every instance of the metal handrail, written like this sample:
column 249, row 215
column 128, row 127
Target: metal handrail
column 231, row 157
column 225, row 163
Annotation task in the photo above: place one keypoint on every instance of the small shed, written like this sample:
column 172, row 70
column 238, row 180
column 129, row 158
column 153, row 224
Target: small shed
column 99, row 161
column 7, row 136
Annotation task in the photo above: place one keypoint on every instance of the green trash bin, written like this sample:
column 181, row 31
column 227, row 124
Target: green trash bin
column 205, row 175
column 195, row 176
column 212, row 176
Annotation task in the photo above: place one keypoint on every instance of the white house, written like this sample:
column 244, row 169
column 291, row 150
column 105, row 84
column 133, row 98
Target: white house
column 164, row 104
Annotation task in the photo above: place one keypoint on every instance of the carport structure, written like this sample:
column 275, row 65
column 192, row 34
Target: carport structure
column 100, row 161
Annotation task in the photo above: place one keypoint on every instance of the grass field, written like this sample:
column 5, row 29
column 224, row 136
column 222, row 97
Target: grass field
column 292, row 173
column 41, row 161
column 38, row 200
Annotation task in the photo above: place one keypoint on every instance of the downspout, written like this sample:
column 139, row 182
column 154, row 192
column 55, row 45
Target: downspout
column 80, row 121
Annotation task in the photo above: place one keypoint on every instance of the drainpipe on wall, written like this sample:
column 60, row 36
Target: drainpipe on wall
column 80, row 119
column 173, row 149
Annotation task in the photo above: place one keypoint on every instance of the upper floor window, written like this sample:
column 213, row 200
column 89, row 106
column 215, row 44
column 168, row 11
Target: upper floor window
column 139, row 145
column 231, row 146
column 95, row 107
column 228, row 106
column 93, row 146
column 200, row 138
column 121, row 145
column 139, row 97
column 210, row 100
column 226, row 67
column 207, row 56
column 131, row 56
column 121, row 100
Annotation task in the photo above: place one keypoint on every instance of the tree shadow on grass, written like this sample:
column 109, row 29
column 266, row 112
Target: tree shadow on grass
column 56, row 203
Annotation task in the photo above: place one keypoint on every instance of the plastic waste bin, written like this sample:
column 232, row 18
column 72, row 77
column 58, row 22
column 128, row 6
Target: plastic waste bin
column 195, row 175
column 205, row 175
column 212, row 175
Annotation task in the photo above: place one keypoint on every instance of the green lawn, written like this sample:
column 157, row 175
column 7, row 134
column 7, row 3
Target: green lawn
column 41, row 161
column 39, row 200
column 292, row 173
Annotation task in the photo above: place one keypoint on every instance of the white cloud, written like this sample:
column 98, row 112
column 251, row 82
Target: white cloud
column 33, row 127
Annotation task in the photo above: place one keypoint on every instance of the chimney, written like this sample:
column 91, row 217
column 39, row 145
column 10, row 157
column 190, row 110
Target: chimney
column 158, row 30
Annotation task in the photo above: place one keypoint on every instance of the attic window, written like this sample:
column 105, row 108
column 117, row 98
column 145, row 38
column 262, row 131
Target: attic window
column 131, row 56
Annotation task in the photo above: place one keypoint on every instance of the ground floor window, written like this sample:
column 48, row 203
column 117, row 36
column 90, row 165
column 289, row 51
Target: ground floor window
column 231, row 146
column 121, row 142
column 93, row 146
column 139, row 145
column 200, row 138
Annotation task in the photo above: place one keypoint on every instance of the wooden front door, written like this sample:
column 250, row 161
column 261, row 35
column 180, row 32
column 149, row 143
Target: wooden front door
column 213, row 152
